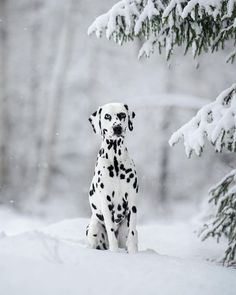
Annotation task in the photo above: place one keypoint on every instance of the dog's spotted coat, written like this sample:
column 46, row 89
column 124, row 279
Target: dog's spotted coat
column 114, row 188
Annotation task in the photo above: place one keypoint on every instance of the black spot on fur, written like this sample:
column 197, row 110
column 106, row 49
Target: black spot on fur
column 130, row 125
column 100, row 217
column 103, row 236
column 121, row 116
column 102, row 185
column 113, row 194
column 122, row 176
column 104, row 246
column 110, row 168
column 119, row 207
column 132, row 232
column 91, row 121
column 128, row 170
column 104, row 132
column 101, row 152
column 128, row 219
column 92, row 191
column 110, row 144
column 125, row 204
column 128, row 180
column 108, row 198
column 119, row 152
column 95, row 235
column 118, row 220
column 131, row 175
column 115, row 146
column 110, row 207
column 134, row 209
column 116, row 166
column 98, row 248
column 111, row 174
column 94, row 207
column 126, row 195
column 135, row 183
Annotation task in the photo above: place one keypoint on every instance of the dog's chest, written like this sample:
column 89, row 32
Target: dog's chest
column 117, row 174
column 114, row 183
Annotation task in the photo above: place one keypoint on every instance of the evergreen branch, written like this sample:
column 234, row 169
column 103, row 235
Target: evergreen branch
column 224, row 221
column 200, row 25
column 215, row 122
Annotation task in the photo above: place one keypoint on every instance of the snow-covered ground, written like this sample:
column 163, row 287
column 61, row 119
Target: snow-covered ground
column 54, row 259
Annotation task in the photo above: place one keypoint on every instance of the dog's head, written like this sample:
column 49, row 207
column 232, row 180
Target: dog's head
column 112, row 120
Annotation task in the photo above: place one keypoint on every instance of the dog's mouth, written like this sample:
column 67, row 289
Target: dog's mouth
column 119, row 135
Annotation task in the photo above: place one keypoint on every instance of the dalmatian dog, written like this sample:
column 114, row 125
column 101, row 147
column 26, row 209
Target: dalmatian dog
column 114, row 188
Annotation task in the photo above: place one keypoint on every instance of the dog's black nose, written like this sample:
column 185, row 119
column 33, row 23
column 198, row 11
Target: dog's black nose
column 117, row 130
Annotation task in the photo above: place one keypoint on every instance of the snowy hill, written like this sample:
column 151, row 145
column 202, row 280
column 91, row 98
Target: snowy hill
column 55, row 260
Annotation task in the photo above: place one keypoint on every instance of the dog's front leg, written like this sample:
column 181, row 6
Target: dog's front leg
column 132, row 239
column 109, row 224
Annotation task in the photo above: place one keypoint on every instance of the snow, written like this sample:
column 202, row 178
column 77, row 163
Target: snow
column 56, row 260
column 211, row 121
column 135, row 17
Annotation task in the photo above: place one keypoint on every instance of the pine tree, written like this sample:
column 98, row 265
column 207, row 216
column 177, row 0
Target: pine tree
column 202, row 26
column 216, row 122
column 224, row 222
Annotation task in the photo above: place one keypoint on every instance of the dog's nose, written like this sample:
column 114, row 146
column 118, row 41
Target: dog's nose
column 117, row 130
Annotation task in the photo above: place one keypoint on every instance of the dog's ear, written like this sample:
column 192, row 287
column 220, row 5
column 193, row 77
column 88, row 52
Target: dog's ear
column 131, row 116
column 95, row 120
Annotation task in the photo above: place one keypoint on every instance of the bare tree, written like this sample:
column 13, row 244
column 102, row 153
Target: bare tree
column 4, row 119
column 55, row 96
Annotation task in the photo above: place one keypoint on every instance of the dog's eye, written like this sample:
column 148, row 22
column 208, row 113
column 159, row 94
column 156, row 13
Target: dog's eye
column 121, row 116
column 107, row 117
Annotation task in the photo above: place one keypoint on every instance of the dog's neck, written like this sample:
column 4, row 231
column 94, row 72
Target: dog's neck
column 113, row 147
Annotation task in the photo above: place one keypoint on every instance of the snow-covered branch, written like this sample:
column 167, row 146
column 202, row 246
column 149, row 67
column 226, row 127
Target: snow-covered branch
column 224, row 222
column 199, row 24
column 215, row 122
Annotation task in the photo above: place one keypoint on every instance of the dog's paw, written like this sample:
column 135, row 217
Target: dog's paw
column 132, row 249
column 114, row 248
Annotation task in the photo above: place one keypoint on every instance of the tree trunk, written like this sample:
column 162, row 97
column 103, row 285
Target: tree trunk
column 167, row 113
column 56, row 87
column 4, row 118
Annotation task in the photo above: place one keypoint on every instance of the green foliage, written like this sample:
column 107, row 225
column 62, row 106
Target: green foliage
column 224, row 222
column 171, row 23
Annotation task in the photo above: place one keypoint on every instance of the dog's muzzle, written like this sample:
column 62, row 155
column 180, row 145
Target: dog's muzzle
column 117, row 130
